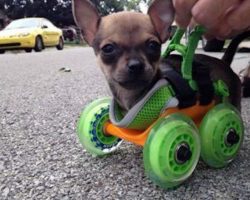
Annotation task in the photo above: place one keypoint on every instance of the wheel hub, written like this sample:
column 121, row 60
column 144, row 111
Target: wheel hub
column 232, row 137
column 183, row 153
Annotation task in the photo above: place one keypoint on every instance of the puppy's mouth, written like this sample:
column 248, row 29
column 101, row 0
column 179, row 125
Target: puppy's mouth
column 133, row 84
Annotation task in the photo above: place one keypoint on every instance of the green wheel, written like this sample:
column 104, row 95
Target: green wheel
column 90, row 128
column 222, row 134
column 172, row 151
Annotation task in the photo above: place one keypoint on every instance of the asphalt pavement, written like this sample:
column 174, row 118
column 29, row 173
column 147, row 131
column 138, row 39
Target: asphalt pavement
column 41, row 157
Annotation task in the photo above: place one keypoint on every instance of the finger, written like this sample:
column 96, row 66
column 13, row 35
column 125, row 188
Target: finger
column 220, row 31
column 209, row 12
column 209, row 36
column 223, row 30
column 238, row 19
column 183, row 11
column 234, row 33
column 220, row 34
column 192, row 23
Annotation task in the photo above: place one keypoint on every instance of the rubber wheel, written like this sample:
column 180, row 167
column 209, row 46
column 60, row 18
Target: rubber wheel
column 60, row 44
column 39, row 44
column 221, row 134
column 90, row 129
column 164, row 163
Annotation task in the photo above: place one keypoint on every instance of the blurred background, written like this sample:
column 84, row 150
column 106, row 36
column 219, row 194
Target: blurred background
column 60, row 14
column 59, row 11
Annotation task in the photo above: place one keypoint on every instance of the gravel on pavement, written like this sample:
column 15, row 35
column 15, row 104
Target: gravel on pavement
column 40, row 154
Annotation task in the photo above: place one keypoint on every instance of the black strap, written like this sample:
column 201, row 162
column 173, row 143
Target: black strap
column 184, row 93
column 201, row 75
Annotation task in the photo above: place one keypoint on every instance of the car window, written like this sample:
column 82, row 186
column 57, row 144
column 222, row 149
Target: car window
column 48, row 24
column 23, row 23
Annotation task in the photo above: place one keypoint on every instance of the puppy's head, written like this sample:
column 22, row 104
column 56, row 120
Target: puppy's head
column 127, row 44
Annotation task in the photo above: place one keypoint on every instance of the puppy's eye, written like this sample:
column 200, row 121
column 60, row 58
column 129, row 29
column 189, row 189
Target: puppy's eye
column 108, row 49
column 153, row 46
column 153, row 50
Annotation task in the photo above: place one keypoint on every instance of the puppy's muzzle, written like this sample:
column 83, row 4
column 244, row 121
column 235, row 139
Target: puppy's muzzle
column 135, row 66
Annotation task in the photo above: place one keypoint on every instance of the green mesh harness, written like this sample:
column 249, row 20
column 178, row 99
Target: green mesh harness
column 147, row 110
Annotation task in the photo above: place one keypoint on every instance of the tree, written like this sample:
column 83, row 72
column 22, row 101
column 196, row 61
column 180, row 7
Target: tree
column 59, row 11
column 107, row 7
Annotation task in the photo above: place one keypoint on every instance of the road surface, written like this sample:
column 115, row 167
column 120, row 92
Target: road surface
column 41, row 157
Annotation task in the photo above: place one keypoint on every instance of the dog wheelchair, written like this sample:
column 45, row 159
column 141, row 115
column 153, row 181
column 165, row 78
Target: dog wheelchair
column 174, row 134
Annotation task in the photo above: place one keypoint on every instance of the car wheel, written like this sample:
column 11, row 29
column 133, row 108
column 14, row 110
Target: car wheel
column 2, row 51
column 28, row 50
column 39, row 44
column 60, row 44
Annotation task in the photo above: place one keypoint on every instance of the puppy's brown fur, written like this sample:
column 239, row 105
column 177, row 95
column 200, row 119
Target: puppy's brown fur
column 128, row 48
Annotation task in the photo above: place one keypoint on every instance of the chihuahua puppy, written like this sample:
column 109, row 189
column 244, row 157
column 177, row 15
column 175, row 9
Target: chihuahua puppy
column 128, row 50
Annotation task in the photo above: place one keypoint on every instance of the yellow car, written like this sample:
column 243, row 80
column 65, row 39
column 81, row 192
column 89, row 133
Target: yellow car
column 30, row 33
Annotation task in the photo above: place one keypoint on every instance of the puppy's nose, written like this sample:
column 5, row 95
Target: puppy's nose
column 135, row 66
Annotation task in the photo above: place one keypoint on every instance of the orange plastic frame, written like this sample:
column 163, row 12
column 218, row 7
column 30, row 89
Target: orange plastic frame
column 138, row 137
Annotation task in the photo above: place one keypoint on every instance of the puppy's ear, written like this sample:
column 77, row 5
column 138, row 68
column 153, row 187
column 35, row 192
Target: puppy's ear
column 87, row 18
column 162, row 13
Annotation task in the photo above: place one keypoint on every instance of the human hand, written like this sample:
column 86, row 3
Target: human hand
column 221, row 18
